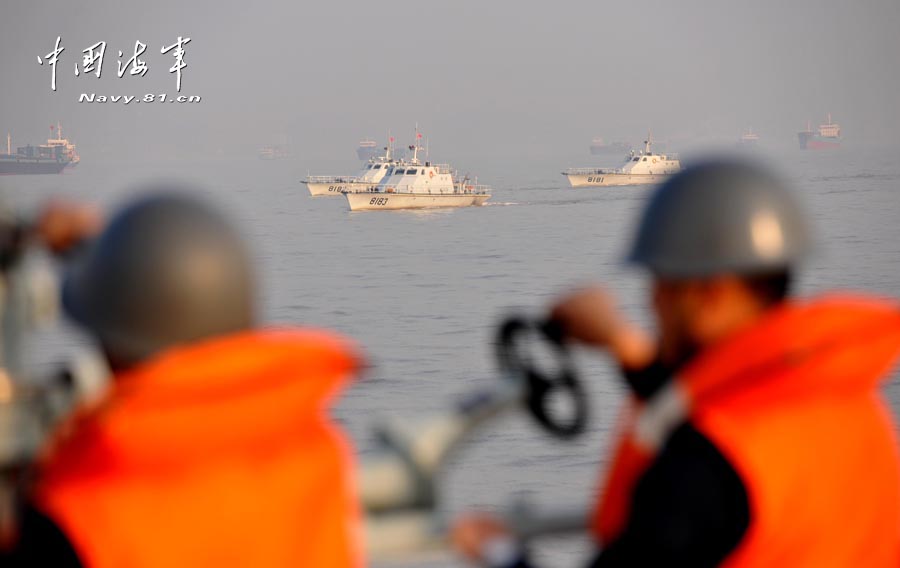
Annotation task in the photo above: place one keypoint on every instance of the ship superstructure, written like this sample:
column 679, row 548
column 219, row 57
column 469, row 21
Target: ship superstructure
column 68, row 149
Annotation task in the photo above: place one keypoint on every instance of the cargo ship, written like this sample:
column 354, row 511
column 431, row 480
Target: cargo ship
column 828, row 136
column 367, row 149
column 275, row 152
column 50, row 158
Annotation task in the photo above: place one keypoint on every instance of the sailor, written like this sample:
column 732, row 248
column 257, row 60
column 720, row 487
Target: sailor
column 60, row 225
column 213, row 446
column 755, row 433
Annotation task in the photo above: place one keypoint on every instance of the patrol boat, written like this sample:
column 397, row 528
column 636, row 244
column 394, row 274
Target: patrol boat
column 639, row 169
column 366, row 180
column 414, row 185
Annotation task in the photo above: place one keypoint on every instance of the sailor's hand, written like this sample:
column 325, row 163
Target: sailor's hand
column 590, row 316
column 485, row 540
column 62, row 225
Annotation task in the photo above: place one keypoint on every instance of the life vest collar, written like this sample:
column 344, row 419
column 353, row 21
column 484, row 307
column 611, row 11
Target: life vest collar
column 242, row 392
column 833, row 345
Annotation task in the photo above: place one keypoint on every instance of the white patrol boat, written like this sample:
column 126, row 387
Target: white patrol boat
column 366, row 180
column 639, row 169
column 414, row 185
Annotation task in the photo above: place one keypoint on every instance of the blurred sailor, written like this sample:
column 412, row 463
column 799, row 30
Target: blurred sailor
column 213, row 445
column 756, row 433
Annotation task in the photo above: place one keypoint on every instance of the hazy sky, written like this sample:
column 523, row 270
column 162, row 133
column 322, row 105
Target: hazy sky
column 513, row 78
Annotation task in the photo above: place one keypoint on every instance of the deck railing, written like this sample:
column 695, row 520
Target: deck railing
column 589, row 171
column 458, row 189
column 332, row 179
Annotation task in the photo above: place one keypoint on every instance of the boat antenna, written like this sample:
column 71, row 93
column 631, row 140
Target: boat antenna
column 58, row 130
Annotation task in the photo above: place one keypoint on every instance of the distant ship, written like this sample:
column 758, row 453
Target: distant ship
column 638, row 169
column 276, row 152
column 367, row 149
column 601, row 148
column 50, row 158
column 828, row 136
column 748, row 138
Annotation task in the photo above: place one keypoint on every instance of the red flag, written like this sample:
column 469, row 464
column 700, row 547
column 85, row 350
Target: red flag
column 392, row 138
column 418, row 135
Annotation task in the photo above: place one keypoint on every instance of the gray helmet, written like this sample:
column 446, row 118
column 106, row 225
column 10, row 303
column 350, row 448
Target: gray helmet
column 719, row 217
column 167, row 270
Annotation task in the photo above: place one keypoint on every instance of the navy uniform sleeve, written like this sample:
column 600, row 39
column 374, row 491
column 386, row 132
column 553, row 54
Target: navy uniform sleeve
column 689, row 509
column 40, row 543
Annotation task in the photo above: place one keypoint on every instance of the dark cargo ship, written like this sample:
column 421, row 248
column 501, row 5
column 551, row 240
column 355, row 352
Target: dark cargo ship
column 827, row 137
column 49, row 158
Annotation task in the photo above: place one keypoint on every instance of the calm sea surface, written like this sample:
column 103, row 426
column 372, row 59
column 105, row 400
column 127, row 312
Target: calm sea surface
column 422, row 291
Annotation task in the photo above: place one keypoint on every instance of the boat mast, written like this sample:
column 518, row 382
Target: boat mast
column 416, row 146
column 648, row 142
column 8, row 143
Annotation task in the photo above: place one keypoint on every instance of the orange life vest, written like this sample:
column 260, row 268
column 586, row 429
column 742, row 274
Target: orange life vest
column 793, row 404
column 215, row 454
